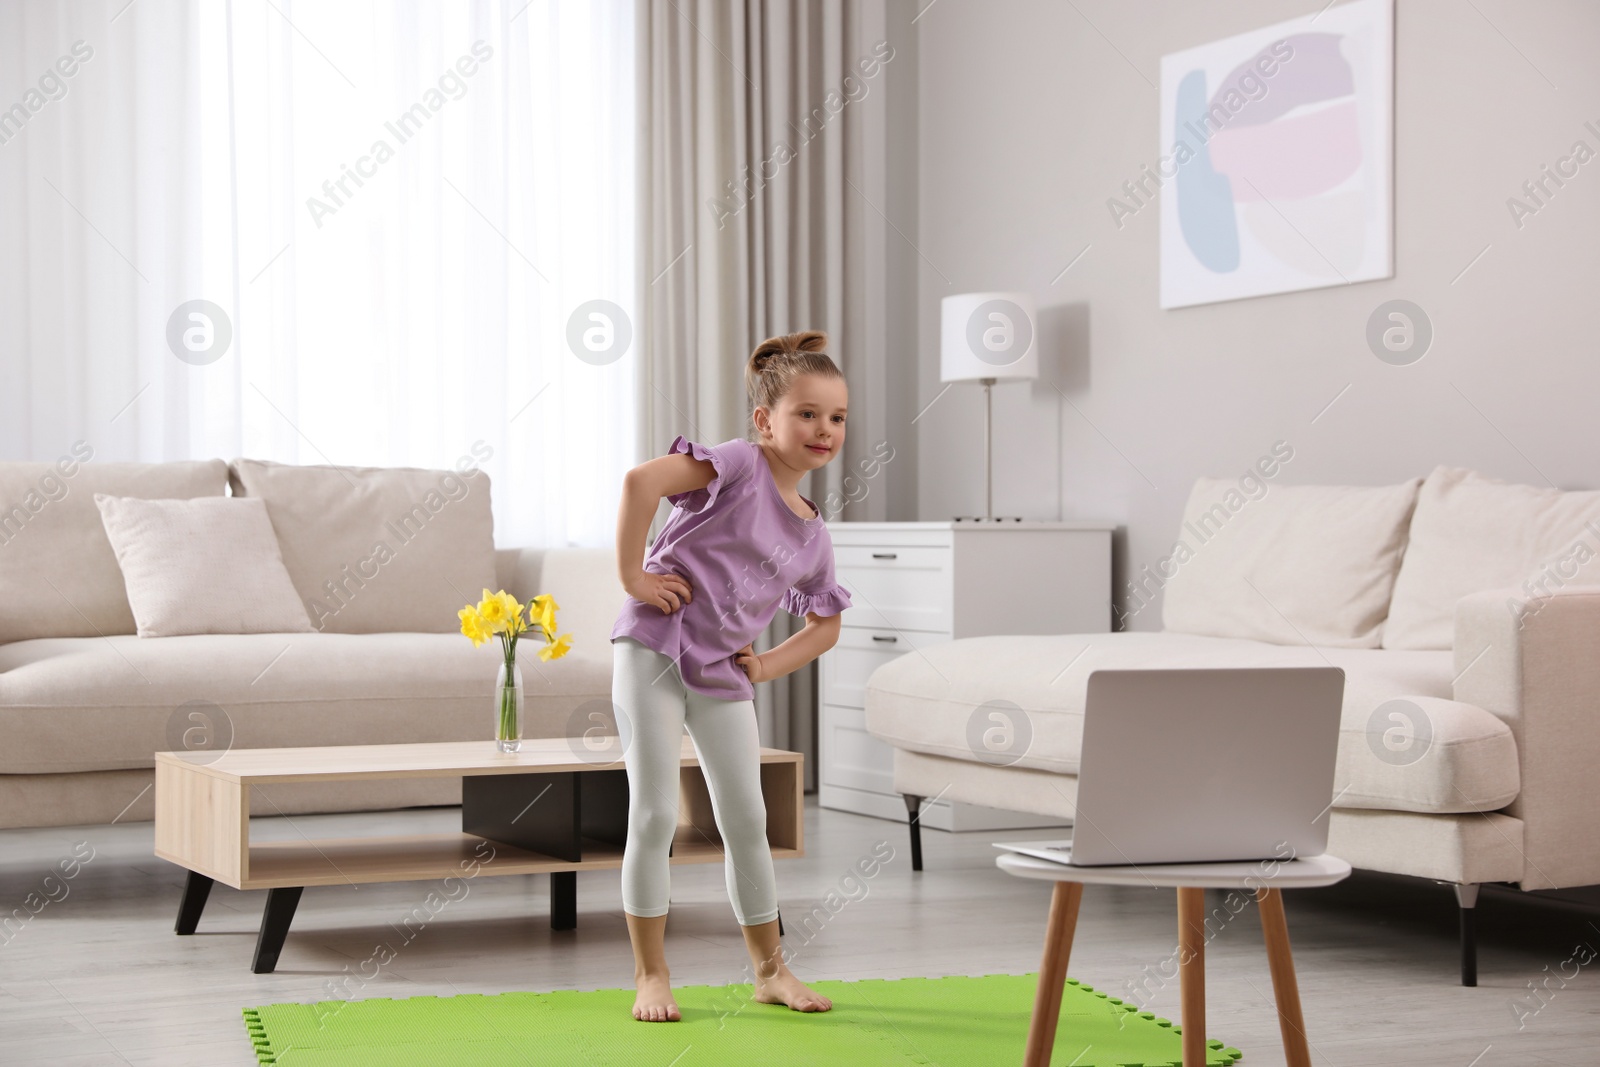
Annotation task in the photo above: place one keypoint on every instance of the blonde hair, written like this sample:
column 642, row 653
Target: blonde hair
column 778, row 361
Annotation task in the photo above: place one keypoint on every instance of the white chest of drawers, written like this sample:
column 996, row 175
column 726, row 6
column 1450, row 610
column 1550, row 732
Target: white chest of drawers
column 915, row 584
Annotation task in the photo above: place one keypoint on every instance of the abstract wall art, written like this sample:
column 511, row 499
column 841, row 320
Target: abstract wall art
column 1276, row 166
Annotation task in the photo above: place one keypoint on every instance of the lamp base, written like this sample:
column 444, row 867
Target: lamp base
column 987, row 518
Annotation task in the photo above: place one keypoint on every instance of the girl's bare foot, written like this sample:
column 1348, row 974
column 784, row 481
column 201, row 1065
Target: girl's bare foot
column 785, row 988
column 774, row 982
column 654, row 1004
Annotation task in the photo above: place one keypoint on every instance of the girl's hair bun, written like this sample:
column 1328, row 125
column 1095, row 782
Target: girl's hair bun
column 787, row 344
column 778, row 361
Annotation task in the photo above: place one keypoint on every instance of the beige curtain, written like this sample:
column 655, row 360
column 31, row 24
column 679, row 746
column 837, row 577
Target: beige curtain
column 761, row 178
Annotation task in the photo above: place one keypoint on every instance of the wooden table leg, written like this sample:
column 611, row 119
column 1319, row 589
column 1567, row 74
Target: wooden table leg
column 275, row 920
column 1052, row 973
column 196, row 888
column 564, row 900
column 1285, row 989
column 1192, row 973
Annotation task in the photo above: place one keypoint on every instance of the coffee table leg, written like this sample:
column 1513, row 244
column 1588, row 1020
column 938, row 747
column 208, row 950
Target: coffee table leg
column 195, row 890
column 1192, row 973
column 1052, row 973
column 564, row 900
column 1285, row 988
column 275, row 920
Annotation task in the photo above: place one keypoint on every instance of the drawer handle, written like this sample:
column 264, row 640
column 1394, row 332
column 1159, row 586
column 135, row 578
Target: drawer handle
column 884, row 637
column 885, row 555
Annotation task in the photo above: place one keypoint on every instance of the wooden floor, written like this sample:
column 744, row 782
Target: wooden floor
column 98, row 977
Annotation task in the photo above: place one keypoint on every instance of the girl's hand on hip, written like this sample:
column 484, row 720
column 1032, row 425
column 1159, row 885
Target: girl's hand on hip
column 668, row 592
column 746, row 657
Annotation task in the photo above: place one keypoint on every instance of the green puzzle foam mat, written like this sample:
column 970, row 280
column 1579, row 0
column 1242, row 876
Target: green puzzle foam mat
column 949, row 1022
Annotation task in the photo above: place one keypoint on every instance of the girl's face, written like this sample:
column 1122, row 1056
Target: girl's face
column 807, row 427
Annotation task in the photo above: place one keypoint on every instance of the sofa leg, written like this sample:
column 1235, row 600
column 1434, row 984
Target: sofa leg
column 914, row 814
column 1467, row 901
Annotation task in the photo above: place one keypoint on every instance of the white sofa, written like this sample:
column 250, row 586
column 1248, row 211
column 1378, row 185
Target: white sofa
column 85, row 703
column 1462, row 612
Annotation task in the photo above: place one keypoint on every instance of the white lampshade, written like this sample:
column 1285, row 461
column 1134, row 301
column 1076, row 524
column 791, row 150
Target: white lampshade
column 988, row 335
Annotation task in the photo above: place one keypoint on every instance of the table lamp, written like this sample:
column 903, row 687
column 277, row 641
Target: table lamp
column 988, row 337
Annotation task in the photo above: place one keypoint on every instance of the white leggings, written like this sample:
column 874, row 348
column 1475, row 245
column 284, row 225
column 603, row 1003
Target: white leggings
column 653, row 707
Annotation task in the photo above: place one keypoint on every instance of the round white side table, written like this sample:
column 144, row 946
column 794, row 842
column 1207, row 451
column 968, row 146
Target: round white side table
column 1264, row 878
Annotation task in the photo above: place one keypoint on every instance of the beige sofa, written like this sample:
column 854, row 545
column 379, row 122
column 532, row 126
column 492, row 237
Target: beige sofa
column 84, row 703
column 1466, row 617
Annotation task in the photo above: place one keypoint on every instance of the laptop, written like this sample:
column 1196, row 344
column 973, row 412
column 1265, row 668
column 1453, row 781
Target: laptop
column 1200, row 766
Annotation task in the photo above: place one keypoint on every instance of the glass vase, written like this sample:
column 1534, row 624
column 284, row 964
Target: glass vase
column 508, row 708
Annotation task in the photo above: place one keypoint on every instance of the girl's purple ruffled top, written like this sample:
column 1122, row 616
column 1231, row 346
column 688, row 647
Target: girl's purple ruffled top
column 746, row 554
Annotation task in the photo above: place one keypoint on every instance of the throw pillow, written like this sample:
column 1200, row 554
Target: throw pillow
column 378, row 549
column 206, row 566
column 1291, row 565
column 1472, row 534
column 57, row 569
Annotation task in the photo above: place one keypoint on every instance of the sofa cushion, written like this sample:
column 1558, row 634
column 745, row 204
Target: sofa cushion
column 59, row 574
column 1472, row 534
column 378, row 549
column 89, row 704
column 1465, row 848
column 1296, row 565
column 1436, row 756
column 205, row 566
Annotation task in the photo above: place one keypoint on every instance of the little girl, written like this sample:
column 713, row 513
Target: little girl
column 741, row 542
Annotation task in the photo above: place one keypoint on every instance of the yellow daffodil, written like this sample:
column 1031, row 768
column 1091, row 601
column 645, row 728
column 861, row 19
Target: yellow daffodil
column 513, row 606
column 492, row 610
column 473, row 626
column 542, row 612
column 502, row 612
column 556, row 649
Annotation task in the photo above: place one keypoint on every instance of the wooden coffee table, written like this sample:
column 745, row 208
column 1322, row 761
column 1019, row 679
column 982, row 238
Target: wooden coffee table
column 551, row 808
column 1191, row 880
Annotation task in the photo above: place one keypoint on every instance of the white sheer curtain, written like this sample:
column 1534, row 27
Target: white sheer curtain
column 398, row 206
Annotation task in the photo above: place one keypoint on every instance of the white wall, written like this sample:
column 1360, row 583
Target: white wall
column 1031, row 115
